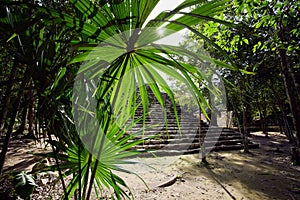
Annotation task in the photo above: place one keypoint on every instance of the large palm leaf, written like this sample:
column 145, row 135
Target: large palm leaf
column 119, row 56
column 124, row 57
column 95, row 165
column 129, row 47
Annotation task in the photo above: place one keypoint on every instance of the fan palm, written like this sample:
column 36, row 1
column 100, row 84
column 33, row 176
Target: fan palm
column 124, row 51
column 119, row 56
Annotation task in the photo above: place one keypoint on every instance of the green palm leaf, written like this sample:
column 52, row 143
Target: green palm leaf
column 113, row 78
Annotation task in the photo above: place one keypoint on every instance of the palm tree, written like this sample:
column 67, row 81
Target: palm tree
column 124, row 58
column 117, row 48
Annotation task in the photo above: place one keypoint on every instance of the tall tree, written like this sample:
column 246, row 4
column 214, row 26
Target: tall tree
column 269, row 33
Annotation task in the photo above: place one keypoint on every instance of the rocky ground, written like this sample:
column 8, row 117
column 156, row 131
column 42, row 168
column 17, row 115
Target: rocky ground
column 265, row 173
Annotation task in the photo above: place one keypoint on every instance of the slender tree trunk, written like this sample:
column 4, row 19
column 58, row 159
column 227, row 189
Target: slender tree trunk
column 295, row 81
column 212, row 112
column 30, row 112
column 291, row 87
column 24, row 117
column 201, row 141
column 8, row 95
column 279, row 122
column 230, row 120
column 245, row 118
column 292, row 101
column 9, row 133
column 201, row 137
column 262, row 119
column 287, row 130
column 28, row 74
column 245, row 131
column 264, row 123
column 242, row 127
column 278, row 119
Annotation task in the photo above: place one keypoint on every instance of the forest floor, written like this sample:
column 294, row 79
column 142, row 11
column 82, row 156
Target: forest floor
column 265, row 173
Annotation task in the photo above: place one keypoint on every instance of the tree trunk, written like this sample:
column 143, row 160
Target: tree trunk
column 202, row 138
column 202, row 144
column 264, row 123
column 287, row 130
column 8, row 95
column 245, row 122
column 211, row 100
column 292, row 99
column 24, row 117
column 262, row 118
column 278, row 119
column 228, row 119
column 27, row 76
column 295, row 81
column 213, row 110
column 9, row 133
column 279, row 122
column 245, row 131
column 30, row 112
column 264, row 127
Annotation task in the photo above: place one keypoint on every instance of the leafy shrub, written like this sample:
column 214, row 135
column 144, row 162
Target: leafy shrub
column 24, row 185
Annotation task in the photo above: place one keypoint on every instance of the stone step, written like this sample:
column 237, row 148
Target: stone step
column 166, row 152
column 217, row 134
column 190, row 141
column 160, row 115
column 159, row 109
column 222, row 137
column 160, row 122
column 171, row 140
column 169, row 144
column 173, row 128
column 186, row 144
column 223, row 142
column 170, row 135
column 187, row 135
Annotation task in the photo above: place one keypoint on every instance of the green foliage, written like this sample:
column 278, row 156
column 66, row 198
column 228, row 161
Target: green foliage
column 55, row 42
column 101, row 150
column 24, row 185
column 263, row 32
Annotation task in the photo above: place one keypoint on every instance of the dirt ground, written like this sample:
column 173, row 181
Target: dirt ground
column 265, row 173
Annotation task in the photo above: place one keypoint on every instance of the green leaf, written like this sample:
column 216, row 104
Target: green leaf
column 12, row 37
column 24, row 184
column 59, row 76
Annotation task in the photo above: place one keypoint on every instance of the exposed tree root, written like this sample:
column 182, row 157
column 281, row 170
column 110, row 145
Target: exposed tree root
column 168, row 182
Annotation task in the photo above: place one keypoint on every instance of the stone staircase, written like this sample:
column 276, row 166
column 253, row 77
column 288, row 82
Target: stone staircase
column 168, row 139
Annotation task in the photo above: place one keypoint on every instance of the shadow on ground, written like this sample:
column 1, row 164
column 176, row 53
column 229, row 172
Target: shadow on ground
column 265, row 173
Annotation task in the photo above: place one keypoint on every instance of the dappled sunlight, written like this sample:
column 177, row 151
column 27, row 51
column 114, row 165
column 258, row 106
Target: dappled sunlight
column 115, row 99
column 255, row 175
